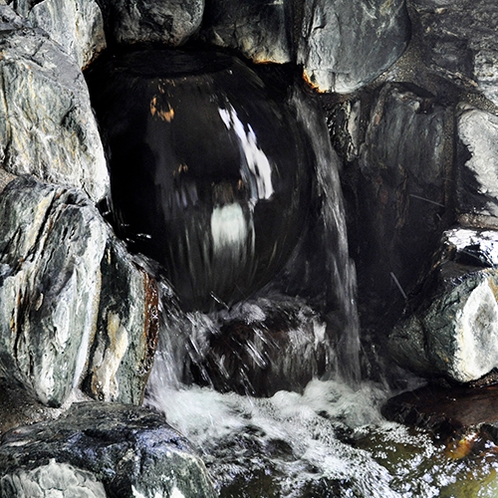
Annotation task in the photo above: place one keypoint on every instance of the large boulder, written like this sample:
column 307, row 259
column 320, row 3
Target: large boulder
column 51, row 245
column 344, row 45
column 453, row 329
column 76, row 25
column 459, row 43
column 169, row 22
column 70, row 296
column 102, row 449
column 260, row 30
column 47, row 127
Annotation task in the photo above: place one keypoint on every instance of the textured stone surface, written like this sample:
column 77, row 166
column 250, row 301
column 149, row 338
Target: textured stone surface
column 171, row 22
column 399, row 199
column 50, row 481
column 459, row 42
column 130, row 450
column 261, row 30
column 76, row 25
column 123, row 349
column 477, row 167
column 51, row 245
column 345, row 45
column 454, row 330
column 47, row 127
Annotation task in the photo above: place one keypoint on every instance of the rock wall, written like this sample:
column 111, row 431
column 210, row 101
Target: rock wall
column 409, row 92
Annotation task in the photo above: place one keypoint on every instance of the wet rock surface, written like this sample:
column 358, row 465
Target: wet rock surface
column 260, row 30
column 171, row 22
column 47, row 127
column 76, row 25
column 344, row 45
column 127, row 451
column 453, row 331
column 398, row 195
column 459, row 42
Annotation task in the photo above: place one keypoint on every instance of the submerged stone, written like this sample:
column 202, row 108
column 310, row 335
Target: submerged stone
column 209, row 173
column 453, row 331
column 131, row 451
column 344, row 45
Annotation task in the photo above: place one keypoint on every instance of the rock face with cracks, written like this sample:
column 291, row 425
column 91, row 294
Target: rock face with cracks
column 67, row 289
column 47, row 127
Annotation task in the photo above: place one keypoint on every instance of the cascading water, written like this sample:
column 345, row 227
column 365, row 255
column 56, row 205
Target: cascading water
column 241, row 379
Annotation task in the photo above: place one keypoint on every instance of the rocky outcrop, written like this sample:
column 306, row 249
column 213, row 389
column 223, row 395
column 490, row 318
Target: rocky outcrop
column 170, row 22
column 76, row 25
column 51, row 245
column 59, row 260
column 477, row 167
column 344, row 45
column 260, row 30
column 101, row 449
column 47, row 127
column 459, row 42
column 453, row 332
column 399, row 194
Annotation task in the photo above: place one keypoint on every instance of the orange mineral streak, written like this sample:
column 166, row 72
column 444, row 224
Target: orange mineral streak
column 311, row 83
column 156, row 110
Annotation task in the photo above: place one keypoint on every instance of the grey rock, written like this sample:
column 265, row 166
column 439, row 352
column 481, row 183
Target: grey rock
column 399, row 200
column 51, row 245
column 47, row 127
column 453, row 330
column 459, row 42
column 127, row 329
column 130, row 450
column 171, row 22
column 50, row 481
column 76, row 25
column 344, row 45
column 477, row 167
column 261, row 30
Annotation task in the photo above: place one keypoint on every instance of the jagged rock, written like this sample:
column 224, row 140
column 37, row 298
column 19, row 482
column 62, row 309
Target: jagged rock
column 76, row 25
column 131, row 451
column 400, row 196
column 170, row 22
column 58, row 261
column 345, row 45
column 453, row 330
column 261, row 30
column 459, row 42
column 123, row 349
column 477, row 167
column 51, row 245
column 47, row 127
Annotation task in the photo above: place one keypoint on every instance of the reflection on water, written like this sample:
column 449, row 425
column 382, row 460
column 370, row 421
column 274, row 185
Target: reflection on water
column 330, row 441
